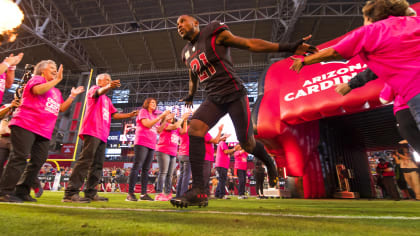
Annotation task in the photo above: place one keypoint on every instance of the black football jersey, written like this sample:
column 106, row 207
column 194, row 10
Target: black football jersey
column 212, row 63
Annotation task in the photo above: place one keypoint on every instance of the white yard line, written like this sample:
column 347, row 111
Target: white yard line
column 188, row 210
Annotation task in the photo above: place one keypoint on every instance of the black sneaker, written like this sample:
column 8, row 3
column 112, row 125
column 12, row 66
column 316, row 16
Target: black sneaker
column 131, row 197
column 193, row 197
column 145, row 197
column 26, row 198
column 10, row 198
column 97, row 198
column 38, row 192
column 75, row 199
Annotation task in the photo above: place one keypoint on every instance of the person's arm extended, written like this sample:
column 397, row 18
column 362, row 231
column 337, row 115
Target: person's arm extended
column 229, row 151
column 328, row 54
column 259, row 45
column 119, row 116
column 150, row 123
column 74, row 92
column 105, row 89
column 357, row 81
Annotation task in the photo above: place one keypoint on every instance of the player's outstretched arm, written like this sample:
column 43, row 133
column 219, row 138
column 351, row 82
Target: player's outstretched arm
column 259, row 45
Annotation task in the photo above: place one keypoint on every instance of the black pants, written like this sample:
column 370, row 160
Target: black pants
column 259, row 181
column 221, row 185
column 407, row 127
column 241, row 182
column 89, row 165
column 18, row 173
column 142, row 160
column 390, row 187
column 238, row 110
column 4, row 156
column 206, row 175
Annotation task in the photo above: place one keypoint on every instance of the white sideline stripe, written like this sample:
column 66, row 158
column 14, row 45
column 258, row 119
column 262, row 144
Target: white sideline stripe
column 226, row 213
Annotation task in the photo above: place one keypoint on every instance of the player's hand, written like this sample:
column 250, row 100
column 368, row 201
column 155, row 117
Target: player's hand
column 115, row 84
column 297, row 64
column 343, row 88
column 188, row 100
column 302, row 47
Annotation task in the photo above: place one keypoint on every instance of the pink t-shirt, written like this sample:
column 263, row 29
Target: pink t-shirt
column 168, row 141
column 222, row 159
column 38, row 113
column 2, row 85
column 184, row 144
column 146, row 136
column 391, row 49
column 241, row 160
column 209, row 148
column 389, row 95
column 97, row 120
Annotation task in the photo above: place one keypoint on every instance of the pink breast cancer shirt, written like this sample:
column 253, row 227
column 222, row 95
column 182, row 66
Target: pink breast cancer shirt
column 209, row 148
column 168, row 141
column 38, row 113
column 184, row 144
column 389, row 95
column 391, row 49
column 97, row 120
column 146, row 137
column 241, row 160
column 2, row 85
column 222, row 159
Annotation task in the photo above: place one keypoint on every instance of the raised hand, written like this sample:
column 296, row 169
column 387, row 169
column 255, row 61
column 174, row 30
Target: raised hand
column 115, row 84
column 76, row 91
column 134, row 113
column 59, row 76
column 14, row 60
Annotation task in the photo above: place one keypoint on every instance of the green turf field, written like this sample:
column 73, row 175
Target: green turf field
column 49, row 216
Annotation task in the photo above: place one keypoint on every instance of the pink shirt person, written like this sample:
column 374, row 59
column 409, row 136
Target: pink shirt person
column 38, row 113
column 97, row 120
column 146, row 136
column 241, row 158
column 209, row 148
column 168, row 141
column 222, row 159
column 184, row 144
column 388, row 95
column 391, row 49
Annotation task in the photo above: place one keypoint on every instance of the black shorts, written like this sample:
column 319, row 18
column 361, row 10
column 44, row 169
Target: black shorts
column 210, row 113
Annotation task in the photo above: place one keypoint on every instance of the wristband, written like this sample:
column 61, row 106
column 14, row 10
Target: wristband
column 6, row 63
column 72, row 97
column 12, row 68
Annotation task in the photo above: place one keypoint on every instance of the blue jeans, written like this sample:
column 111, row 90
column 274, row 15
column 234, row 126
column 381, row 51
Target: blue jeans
column 143, row 160
column 166, row 168
column 221, row 190
column 414, row 104
column 241, row 181
column 184, row 176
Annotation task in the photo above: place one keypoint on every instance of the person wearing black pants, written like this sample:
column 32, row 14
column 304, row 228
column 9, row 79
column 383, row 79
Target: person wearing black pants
column 31, row 129
column 259, row 179
column 94, row 133
column 207, row 55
